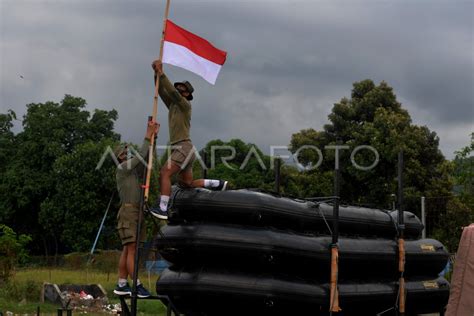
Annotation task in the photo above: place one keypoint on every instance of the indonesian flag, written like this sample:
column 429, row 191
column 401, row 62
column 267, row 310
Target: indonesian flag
column 191, row 52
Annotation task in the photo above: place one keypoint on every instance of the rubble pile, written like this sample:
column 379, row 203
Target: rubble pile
column 82, row 300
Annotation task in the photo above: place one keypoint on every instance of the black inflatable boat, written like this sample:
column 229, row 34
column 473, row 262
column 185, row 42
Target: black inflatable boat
column 244, row 252
column 249, row 207
column 272, row 250
column 217, row 292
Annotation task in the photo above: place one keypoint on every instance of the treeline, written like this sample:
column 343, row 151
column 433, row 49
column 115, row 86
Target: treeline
column 51, row 189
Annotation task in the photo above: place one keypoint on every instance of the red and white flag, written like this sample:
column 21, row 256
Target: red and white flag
column 189, row 51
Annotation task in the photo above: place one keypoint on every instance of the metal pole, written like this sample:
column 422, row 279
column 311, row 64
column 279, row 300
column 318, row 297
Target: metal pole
column 101, row 225
column 335, row 223
column 401, row 223
column 423, row 217
column 204, row 170
column 133, row 307
column 277, row 175
column 401, row 242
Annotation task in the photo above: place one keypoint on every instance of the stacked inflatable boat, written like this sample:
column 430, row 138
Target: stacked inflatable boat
column 244, row 252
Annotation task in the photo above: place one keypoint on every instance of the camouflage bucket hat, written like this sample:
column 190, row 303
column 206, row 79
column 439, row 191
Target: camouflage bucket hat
column 120, row 149
column 188, row 86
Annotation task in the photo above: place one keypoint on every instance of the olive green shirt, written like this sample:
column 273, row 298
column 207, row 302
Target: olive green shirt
column 179, row 111
column 129, row 176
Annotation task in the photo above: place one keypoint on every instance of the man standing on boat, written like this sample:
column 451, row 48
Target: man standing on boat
column 129, row 175
column 177, row 99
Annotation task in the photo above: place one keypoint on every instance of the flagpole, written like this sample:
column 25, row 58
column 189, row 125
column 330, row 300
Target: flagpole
column 146, row 186
column 155, row 106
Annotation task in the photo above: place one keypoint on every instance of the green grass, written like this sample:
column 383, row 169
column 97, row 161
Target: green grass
column 35, row 277
column 64, row 276
column 25, row 307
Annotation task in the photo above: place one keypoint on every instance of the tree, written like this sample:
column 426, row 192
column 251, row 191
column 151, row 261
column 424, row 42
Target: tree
column 457, row 216
column 243, row 164
column 464, row 173
column 460, row 208
column 7, row 150
column 7, row 138
column 295, row 183
column 50, row 131
column 374, row 117
column 72, row 214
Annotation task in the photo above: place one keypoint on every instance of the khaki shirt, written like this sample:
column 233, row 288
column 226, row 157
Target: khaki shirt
column 129, row 176
column 179, row 111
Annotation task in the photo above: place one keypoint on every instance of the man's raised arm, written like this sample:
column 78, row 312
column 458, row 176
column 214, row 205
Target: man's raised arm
column 167, row 92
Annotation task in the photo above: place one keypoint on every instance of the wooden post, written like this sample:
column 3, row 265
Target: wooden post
column 334, row 293
column 155, row 107
column 401, row 242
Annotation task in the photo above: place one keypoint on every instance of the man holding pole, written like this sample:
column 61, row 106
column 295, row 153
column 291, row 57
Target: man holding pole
column 176, row 98
column 129, row 175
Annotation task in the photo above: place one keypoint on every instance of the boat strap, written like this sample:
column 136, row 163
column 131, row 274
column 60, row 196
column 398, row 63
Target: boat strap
column 325, row 221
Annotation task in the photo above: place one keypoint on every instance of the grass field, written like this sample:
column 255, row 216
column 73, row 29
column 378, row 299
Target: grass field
column 22, row 294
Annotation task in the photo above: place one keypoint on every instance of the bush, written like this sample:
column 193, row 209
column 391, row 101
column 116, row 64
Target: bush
column 106, row 261
column 12, row 251
column 103, row 261
column 75, row 260
column 17, row 291
column 457, row 216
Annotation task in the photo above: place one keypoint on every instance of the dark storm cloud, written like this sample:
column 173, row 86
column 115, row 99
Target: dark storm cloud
column 288, row 62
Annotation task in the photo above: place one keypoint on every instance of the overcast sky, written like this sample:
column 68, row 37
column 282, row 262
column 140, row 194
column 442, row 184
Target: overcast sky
column 288, row 61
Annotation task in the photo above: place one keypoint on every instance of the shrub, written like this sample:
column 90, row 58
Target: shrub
column 106, row 261
column 457, row 216
column 75, row 260
column 16, row 291
column 12, row 251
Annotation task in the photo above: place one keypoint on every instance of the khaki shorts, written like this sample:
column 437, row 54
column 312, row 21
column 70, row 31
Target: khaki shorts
column 182, row 154
column 127, row 219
